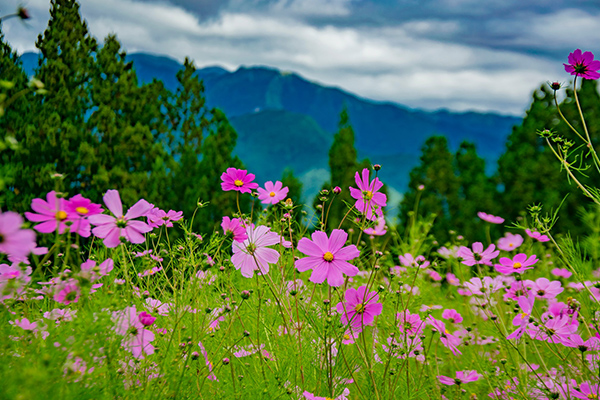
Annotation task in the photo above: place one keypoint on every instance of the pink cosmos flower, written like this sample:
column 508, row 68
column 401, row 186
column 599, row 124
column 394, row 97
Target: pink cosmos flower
column 452, row 316
column 556, row 330
column 522, row 319
column 576, row 341
column 239, row 180
column 58, row 315
column 378, row 229
column 13, row 280
column 519, row 264
column 537, row 236
column 68, row 294
column 368, row 198
column 158, row 307
column 157, row 217
column 561, row 273
column 78, row 210
column 253, row 254
column 327, row 257
column 483, row 287
column 447, row 339
column 111, row 229
column 583, row 64
column 452, row 279
column 478, row 255
column 409, row 261
column 14, row 241
column 272, row 193
column 51, row 213
column 492, row 219
column 409, row 324
column 461, row 377
column 544, row 288
column 587, row 390
column 510, row 242
column 309, row 396
column 136, row 338
column 236, row 227
column 211, row 376
column 360, row 307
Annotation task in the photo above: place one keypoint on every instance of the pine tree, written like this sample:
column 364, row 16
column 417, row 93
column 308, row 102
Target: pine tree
column 439, row 194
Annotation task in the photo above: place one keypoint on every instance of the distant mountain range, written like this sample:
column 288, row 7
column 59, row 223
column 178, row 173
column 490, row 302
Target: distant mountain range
column 284, row 120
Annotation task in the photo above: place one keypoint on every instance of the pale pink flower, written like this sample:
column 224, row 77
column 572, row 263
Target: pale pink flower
column 111, row 229
column 561, row 273
column 449, row 340
column 237, row 228
column 492, row 219
column 544, row 288
column 14, row 241
column 272, row 193
column 327, row 257
column 309, row 396
column 537, row 236
column 378, row 229
column 452, row 315
column 69, row 293
column 461, row 377
column 510, row 242
column 369, row 200
column 157, row 217
column 136, row 338
column 253, row 254
column 409, row 261
column 478, row 255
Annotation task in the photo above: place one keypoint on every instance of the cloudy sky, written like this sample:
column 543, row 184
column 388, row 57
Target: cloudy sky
column 486, row 55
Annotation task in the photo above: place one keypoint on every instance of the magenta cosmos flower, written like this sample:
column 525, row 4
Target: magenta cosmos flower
column 235, row 226
column 510, row 242
column 583, row 64
column 14, row 241
column 239, row 180
column 157, row 217
column 272, row 193
column 327, row 257
column 253, row 254
column 50, row 213
column 537, row 236
column 492, row 219
column 519, row 264
column 78, row 210
column 368, row 199
column 360, row 307
column 461, row 377
column 478, row 255
column 522, row 319
column 111, row 229
column 136, row 338
column 587, row 391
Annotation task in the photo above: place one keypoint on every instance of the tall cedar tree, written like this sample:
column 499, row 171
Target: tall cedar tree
column 217, row 156
column 188, row 119
column 441, row 188
column 51, row 141
column 343, row 165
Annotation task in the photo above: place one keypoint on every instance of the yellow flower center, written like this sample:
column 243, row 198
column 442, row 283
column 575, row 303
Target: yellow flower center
column 510, row 245
column 82, row 210
column 346, row 337
column 446, row 331
column 272, row 194
column 328, row 257
column 592, row 396
column 238, row 183
column 359, row 308
column 368, row 194
column 61, row 215
column 517, row 265
column 524, row 315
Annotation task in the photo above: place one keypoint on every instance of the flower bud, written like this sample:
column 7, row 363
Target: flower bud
column 146, row 319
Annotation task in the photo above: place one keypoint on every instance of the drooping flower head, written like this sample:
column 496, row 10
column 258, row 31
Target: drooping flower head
column 253, row 254
column 111, row 229
column 327, row 257
column 368, row 198
column 239, row 180
column 492, row 219
column 583, row 64
column 51, row 214
column 272, row 193
column 537, row 236
column 360, row 307
column 236, row 227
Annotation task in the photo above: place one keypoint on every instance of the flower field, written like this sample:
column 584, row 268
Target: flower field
column 102, row 299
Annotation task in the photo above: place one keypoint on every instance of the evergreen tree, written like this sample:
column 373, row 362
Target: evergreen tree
column 343, row 166
column 217, row 156
column 188, row 118
column 477, row 192
column 441, row 186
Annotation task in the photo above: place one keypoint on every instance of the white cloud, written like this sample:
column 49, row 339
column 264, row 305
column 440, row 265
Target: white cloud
column 383, row 63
